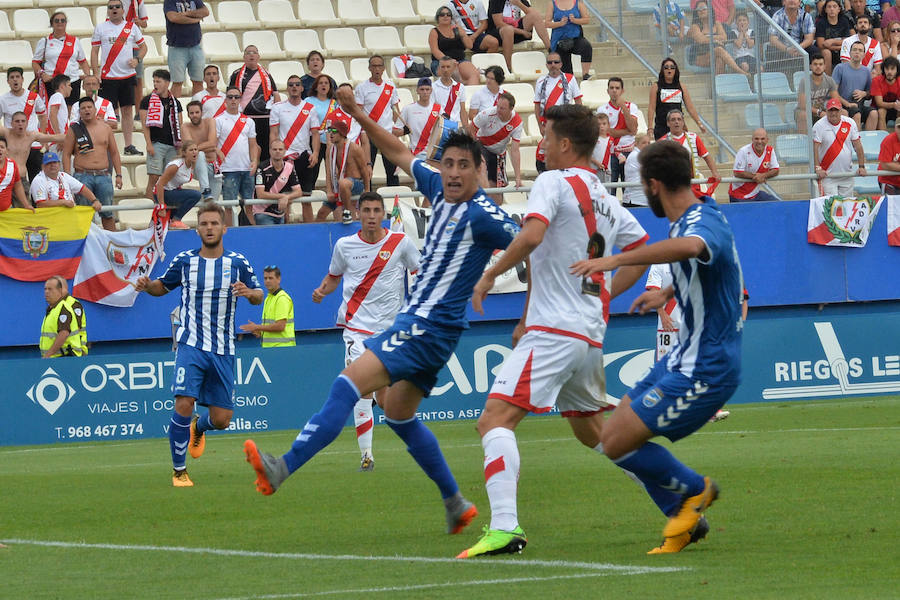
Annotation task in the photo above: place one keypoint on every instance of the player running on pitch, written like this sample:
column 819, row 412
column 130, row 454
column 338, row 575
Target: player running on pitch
column 464, row 230
column 211, row 280
column 373, row 263
column 685, row 388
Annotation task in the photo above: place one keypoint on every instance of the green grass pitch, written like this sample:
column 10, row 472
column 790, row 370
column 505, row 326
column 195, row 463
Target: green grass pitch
column 809, row 509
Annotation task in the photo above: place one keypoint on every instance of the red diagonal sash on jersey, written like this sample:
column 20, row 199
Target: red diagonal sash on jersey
column 132, row 11
column 426, row 131
column 7, row 174
column 502, row 133
column 382, row 102
column 116, row 48
column 297, row 125
column 870, row 52
column 555, row 93
column 583, row 195
column 605, row 162
column 365, row 286
column 464, row 15
column 30, row 103
column 65, row 54
column 451, row 99
column 234, row 134
column 742, row 190
column 674, row 94
column 836, row 146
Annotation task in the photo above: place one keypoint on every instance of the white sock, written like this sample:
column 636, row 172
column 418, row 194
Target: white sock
column 501, row 476
column 362, row 418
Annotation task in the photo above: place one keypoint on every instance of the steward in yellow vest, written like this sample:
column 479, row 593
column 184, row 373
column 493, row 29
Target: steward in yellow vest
column 62, row 332
column 277, row 328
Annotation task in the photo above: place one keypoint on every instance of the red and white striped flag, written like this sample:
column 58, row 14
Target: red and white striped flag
column 839, row 221
column 114, row 260
column 893, row 220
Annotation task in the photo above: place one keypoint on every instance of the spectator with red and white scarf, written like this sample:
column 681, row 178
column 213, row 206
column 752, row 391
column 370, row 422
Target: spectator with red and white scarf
column 161, row 116
column 258, row 94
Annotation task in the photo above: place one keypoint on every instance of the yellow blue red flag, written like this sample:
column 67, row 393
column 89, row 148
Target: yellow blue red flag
column 49, row 241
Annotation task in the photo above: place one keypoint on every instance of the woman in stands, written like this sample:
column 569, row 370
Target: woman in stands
column 323, row 99
column 699, row 33
column 315, row 62
column 665, row 95
column 832, row 27
column 447, row 39
column 168, row 189
column 59, row 54
column 565, row 19
column 891, row 44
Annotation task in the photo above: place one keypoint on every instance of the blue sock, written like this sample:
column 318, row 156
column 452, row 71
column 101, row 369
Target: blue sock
column 666, row 500
column 179, row 436
column 423, row 446
column 325, row 425
column 655, row 466
column 204, row 424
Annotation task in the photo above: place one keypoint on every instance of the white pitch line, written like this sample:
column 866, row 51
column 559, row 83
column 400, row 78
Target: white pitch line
column 630, row 569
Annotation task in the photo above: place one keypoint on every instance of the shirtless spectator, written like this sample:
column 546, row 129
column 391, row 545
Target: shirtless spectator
column 92, row 144
column 20, row 143
column 346, row 174
column 10, row 181
column 35, row 109
column 203, row 132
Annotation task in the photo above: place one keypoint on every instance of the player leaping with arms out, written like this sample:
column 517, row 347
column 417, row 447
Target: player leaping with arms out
column 686, row 387
column 211, row 280
column 464, row 230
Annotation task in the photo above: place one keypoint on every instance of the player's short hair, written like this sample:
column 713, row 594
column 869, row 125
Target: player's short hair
column 497, row 72
column 12, row 70
column 272, row 269
column 508, row 97
column 602, row 116
column 667, row 162
column 577, row 123
column 614, row 79
column 84, row 100
column 162, row 74
column 466, row 142
column 233, row 87
column 196, row 103
column 211, row 206
column 371, row 197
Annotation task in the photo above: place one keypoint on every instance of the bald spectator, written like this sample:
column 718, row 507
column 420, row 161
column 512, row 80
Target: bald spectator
column 755, row 162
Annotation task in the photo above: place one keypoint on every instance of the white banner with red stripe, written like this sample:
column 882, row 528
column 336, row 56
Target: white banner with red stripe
column 893, row 220
column 414, row 220
column 114, row 260
column 839, row 221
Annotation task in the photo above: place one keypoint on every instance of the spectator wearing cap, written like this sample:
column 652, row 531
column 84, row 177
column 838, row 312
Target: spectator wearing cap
column 835, row 137
column 419, row 119
column 54, row 187
column 346, row 174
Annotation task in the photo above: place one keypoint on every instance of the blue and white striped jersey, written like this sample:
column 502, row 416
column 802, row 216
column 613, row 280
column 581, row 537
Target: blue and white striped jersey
column 207, row 304
column 460, row 240
column 710, row 293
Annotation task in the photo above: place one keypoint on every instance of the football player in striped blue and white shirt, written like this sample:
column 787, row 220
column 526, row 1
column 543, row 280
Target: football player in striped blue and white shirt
column 466, row 228
column 211, row 281
column 688, row 385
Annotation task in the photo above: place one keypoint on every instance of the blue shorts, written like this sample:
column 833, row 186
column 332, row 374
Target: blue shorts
column 672, row 405
column 414, row 349
column 205, row 376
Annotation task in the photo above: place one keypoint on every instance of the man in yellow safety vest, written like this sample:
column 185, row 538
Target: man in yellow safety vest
column 64, row 329
column 277, row 327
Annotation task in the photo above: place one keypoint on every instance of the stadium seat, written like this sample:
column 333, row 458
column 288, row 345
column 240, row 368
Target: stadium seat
column 153, row 57
column 774, row 86
column 398, row 12
column 156, row 18
column 867, row 185
column 236, row 15
column 266, row 42
column 357, row 12
column 798, row 77
column 532, row 131
column 471, row 89
column 382, row 40
column 771, row 118
column 128, row 188
column 316, row 13
column 687, row 66
column 335, row 68
column 405, row 97
column 733, row 87
column 871, row 142
column 792, row 148
column 134, row 219
column 221, row 45
column 13, row 4
column 594, row 92
column 527, row 162
column 416, row 40
column 80, row 22
column 31, row 20
column 282, row 69
column 16, row 52
column 484, row 60
column 789, row 117
column 389, row 191
column 140, row 174
column 299, row 42
column 6, row 32
column 641, row 6
column 359, row 69
column 275, row 14
column 529, row 65
column 524, row 95
column 343, row 41
column 428, row 8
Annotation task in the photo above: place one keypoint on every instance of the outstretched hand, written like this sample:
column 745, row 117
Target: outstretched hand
column 590, row 266
column 649, row 300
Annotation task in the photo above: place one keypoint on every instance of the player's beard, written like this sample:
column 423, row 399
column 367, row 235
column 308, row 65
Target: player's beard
column 655, row 203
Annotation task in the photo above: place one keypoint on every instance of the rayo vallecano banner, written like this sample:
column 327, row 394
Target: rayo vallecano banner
column 109, row 397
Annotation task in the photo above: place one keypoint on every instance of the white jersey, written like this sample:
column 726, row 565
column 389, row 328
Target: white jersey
column 10, row 103
column 467, row 14
column 105, row 112
column 617, row 121
column 634, row 195
column 367, row 95
column 374, row 276
column 61, row 124
column 659, row 277
column 48, row 49
column 694, row 145
column 872, row 56
column 211, row 104
column 183, row 174
column 440, row 93
column 238, row 157
column 825, row 133
column 483, row 99
column 563, row 89
column 105, row 35
column 495, row 134
column 748, row 161
column 416, row 116
column 284, row 115
column 603, row 150
column 64, row 187
column 576, row 209
column 134, row 9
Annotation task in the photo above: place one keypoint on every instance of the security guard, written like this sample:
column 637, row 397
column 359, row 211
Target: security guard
column 277, row 328
column 63, row 332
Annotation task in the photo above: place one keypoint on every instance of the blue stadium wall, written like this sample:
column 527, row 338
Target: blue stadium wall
column 825, row 323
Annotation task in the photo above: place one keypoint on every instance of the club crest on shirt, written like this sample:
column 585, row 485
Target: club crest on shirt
column 384, row 254
column 451, row 225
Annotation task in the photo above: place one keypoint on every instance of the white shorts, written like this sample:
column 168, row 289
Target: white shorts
column 353, row 345
column 665, row 341
column 546, row 369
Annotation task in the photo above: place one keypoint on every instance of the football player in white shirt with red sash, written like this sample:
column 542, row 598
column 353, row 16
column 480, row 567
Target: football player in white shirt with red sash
column 557, row 358
column 105, row 111
column 499, row 128
column 834, row 139
column 419, row 118
column 237, row 150
column 378, row 97
column 623, row 124
column 211, row 97
column 756, row 162
column 373, row 264
column 554, row 88
column 451, row 95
